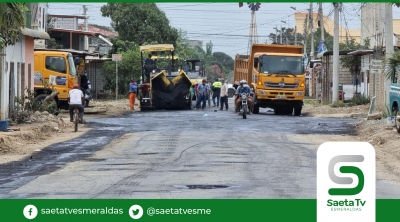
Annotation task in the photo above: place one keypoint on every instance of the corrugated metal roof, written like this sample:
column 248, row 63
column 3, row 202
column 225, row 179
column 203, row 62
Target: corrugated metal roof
column 362, row 52
column 67, row 16
column 72, row 51
column 76, row 32
column 341, row 52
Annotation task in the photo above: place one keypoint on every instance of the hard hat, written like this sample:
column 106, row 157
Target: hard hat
column 243, row 81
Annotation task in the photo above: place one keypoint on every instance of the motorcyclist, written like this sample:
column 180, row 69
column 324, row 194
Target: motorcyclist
column 243, row 88
column 84, row 83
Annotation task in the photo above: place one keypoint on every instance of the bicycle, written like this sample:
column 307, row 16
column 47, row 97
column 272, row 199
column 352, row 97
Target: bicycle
column 76, row 118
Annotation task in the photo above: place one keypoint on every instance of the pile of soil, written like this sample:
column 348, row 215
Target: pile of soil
column 329, row 111
column 114, row 107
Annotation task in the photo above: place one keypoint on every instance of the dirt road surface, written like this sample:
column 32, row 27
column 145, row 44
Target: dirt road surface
column 190, row 154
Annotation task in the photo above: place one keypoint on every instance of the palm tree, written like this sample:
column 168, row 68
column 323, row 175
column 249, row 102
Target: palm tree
column 392, row 61
column 12, row 19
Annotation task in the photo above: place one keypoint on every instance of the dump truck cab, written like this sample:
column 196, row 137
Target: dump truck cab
column 54, row 70
column 169, row 85
column 277, row 77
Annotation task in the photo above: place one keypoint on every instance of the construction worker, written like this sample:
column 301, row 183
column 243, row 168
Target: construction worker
column 132, row 93
column 149, row 66
column 224, row 95
column 216, row 88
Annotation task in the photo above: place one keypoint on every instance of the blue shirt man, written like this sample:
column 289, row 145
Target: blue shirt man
column 202, row 92
column 202, row 89
column 148, row 60
column 133, row 87
column 243, row 89
column 186, row 68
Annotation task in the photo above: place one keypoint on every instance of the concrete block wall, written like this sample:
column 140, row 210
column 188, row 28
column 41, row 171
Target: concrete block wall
column 345, row 79
column 377, row 82
column 66, row 23
column 345, row 76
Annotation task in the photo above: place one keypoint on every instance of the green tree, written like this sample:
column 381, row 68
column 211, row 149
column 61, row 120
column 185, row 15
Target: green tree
column 129, row 67
column 52, row 44
column 353, row 63
column 209, row 48
column 288, row 33
column 317, row 39
column 12, row 19
column 141, row 23
column 224, row 59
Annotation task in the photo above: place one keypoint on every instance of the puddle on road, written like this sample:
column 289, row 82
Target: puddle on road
column 206, row 186
column 94, row 160
column 147, row 153
column 201, row 186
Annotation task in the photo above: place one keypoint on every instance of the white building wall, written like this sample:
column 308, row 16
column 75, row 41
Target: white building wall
column 39, row 19
column 16, row 54
column 365, row 61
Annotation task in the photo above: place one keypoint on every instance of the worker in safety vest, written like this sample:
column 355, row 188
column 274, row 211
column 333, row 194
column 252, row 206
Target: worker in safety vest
column 216, row 88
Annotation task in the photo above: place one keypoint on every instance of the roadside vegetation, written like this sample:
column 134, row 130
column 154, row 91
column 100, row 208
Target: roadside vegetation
column 153, row 27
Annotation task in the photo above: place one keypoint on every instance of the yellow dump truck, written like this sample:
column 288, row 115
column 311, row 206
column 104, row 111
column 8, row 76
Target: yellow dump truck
column 54, row 70
column 276, row 75
column 169, row 86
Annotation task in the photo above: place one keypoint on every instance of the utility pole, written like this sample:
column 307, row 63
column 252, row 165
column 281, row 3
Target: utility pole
column 295, row 35
column 321, row 21
column 116, row 80
column 389, row 46
column 3, row 91
column 312, row 31
column 335, row 80
column 287, row 32
column 305, row 33
column 86, row 28
column 321, row 26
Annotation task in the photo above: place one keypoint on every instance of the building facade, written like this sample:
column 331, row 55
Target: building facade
column 17, row 65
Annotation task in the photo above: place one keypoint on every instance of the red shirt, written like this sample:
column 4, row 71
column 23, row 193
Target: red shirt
column 145, row 88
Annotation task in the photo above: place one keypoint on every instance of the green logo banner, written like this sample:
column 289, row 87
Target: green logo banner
column 174, row 210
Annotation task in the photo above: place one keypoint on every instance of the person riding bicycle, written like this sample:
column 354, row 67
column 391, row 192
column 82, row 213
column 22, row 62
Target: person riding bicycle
column 243, row 88
column 76, row 99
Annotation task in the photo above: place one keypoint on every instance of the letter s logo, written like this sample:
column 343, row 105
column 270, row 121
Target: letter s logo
column 346, row 180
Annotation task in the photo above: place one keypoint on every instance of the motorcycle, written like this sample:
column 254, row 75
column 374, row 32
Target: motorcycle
column 88, row 97
column 245, row 107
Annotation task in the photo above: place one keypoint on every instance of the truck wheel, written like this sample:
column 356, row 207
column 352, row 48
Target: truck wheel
column 231, row 92
column 397, row 119
column 288, row 111
column 86, row 103
column 297, row 110
column 256, row 109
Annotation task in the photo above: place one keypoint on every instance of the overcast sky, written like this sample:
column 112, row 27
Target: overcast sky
column 225, row 24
